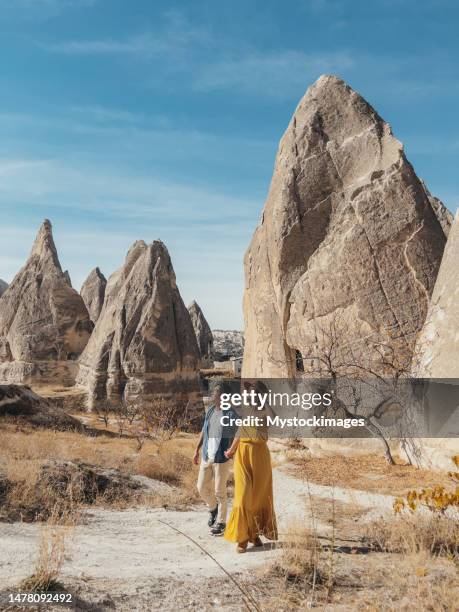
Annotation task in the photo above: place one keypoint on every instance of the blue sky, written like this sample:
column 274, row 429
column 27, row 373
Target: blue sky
column 149, row 119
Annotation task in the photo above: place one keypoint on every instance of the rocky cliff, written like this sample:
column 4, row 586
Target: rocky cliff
column 3, row 287
column 44, row 324
column 203, row 334
column 228, row 343
column 143, row 345
column 93, row 293
column 348, row 248
column 437, row 349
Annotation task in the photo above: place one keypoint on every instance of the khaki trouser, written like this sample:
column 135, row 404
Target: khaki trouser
column 212, row 481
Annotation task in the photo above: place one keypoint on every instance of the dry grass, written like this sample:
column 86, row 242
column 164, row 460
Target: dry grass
column 52, row 548
column 25, row 451
column 365, row 472
column 411, row 534
column 299, row 562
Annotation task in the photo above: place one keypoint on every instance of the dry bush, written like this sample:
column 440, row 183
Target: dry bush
column 171, row 464
column 300, row 562
column 51, row 552
column 437, row 499
column 43, row 491
column 407, row 534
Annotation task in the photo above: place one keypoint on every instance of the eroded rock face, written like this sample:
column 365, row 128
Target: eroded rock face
column 437, row 349
column 203, row 334
column 3, row 287
column 44, row 324
column 93, row 293
column 228, row 343
column 444, row 216
column 348, row 246
column 143, row 345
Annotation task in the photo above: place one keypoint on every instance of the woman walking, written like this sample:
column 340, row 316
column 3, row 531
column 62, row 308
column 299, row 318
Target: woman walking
column 253, row 514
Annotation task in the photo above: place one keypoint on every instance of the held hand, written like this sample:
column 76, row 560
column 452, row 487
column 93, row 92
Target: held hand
column 229, row 453
column 196, row 457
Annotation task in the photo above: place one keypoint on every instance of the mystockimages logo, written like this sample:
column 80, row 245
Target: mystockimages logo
column 289, row 422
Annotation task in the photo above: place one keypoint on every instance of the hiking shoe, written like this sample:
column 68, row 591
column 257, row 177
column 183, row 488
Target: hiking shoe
column 218, row 530
column 212, row 517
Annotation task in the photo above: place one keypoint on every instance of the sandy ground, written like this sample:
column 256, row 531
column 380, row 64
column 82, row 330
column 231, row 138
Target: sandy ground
column 125, row 552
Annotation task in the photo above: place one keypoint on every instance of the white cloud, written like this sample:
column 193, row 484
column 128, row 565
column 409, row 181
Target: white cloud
column 175, row 36
column 39, row 10
column 100, row 213
column 53, row 184
column 105, row 114
column 144, row 44
column 274, row 73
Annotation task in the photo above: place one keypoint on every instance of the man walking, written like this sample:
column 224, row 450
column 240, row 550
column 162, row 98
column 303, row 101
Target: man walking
column 214, row 440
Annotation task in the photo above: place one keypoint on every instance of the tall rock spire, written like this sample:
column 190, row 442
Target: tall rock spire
column 437, row 349
column 348, row 244
column 203, row 333
column 93, row 293
column 143, row 345
column 3, row 287
column 44, row 324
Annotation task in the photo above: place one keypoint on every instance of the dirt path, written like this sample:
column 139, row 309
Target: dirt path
column 128, row 547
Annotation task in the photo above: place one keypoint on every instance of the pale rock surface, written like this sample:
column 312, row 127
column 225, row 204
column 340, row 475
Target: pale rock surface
column 437, row 348
column 228, row 343
column 93, row 293
column 348, row 237
column 3, row 287
column 444, row 216
column 44, row 324
column 143, row 345
column 203, row 333
column 67, row 278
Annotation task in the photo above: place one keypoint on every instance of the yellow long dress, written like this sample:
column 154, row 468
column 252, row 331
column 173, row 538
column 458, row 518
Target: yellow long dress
column 253, row 510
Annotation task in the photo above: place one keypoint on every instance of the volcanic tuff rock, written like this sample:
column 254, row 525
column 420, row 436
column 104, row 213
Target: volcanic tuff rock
column 93, row 293
column 143, row 344
column 203, row 333
column 227, row 344
column 348, row 243
column 3, row 287
column 444, row 216
column 437, row 349
column 44, row 324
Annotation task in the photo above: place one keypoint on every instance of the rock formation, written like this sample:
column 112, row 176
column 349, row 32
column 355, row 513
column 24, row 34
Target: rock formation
column 348, row 247
column 24, row 406
column 93, row 293
column 444, row 216
column 437, row 349
column 203, row 334
column 143, row 345
column 44, row 324
column 227, row 344
column 3, row 287
column 67, row 278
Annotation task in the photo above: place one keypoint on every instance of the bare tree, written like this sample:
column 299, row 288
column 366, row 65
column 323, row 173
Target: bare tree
column 357, row 370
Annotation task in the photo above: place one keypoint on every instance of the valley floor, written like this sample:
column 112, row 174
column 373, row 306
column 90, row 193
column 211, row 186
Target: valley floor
column 130, row 560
